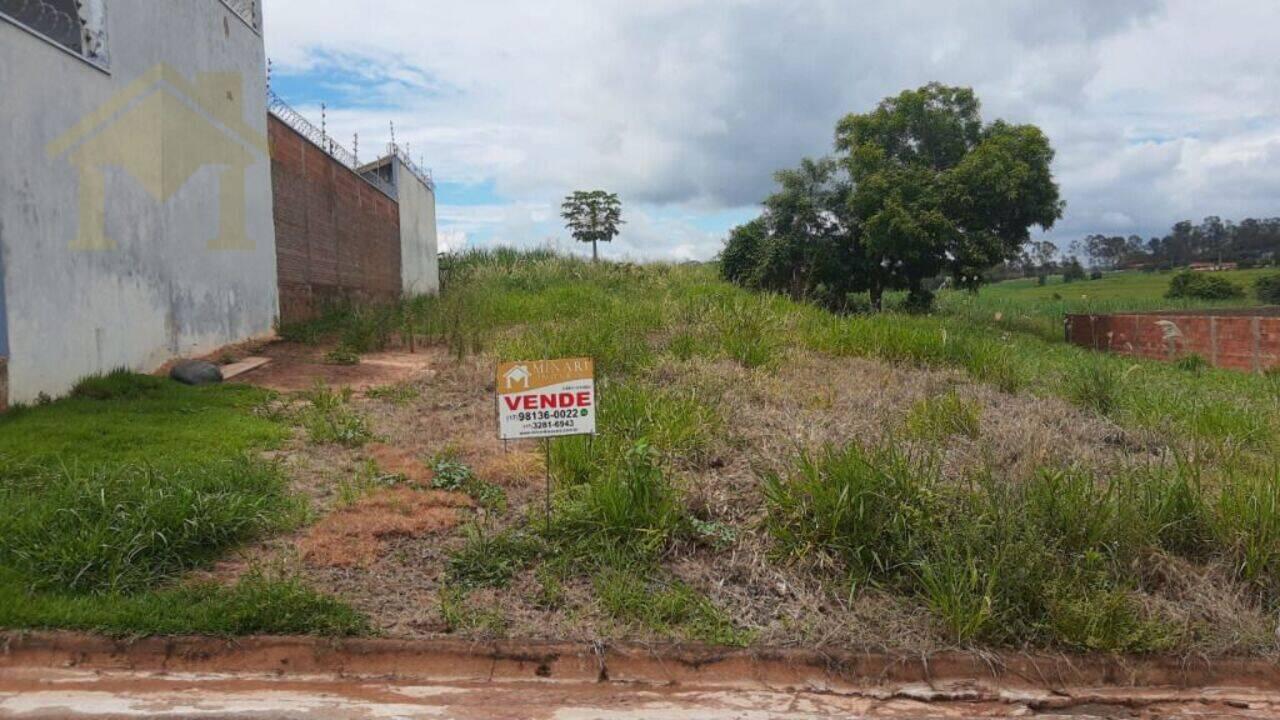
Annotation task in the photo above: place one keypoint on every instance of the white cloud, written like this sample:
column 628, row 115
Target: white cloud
column 1159, row 109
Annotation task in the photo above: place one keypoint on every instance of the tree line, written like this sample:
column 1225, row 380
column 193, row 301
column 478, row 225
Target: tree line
column 1213, row 240
column 918, row 188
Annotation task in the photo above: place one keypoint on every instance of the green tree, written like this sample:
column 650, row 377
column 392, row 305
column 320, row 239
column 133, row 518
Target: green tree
column 741, row 255
column 592, row 216
column 1037, row 259
column 935, row 190
column 1072, row 270
column 804, row 242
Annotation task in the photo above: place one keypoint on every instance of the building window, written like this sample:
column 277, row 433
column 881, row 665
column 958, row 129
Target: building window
column 78, row 26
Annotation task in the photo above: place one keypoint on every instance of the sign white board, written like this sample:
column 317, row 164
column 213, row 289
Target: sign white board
column 546, row 398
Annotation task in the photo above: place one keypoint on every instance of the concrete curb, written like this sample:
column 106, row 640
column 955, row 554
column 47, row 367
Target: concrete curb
column 456, row 660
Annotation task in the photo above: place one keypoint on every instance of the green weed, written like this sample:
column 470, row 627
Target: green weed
column 1096, row 385
column 399, row 394
column 342, row 355
column 460, row 614
column 630, row 510
column 329, row 419
column 667, row 608
column 490, row 559
column 453, row 474
column 938, row 417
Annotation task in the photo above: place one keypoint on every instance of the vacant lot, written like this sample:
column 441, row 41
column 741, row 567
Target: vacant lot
column 765, row 473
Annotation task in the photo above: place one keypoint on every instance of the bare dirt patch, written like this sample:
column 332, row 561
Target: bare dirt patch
column 352, row 537
column 295, row 367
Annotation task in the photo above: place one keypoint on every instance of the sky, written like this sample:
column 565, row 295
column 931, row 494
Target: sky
column 1159, row 110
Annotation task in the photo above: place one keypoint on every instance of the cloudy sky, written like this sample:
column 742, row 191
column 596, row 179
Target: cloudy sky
column 1159, row 110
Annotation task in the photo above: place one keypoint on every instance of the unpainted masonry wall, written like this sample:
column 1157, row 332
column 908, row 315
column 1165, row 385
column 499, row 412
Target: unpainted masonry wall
column 1237, row 342
column 337, row 237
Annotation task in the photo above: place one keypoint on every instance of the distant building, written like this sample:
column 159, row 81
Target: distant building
column 1212, row 266
column 137, row 220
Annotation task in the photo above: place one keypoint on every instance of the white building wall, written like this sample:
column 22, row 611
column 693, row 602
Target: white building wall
column 135, row 204
column 419, row 259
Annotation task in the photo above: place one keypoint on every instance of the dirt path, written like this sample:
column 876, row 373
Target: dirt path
column 57, row 675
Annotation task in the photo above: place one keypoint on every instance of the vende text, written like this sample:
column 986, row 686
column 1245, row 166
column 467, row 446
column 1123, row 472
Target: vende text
column 552, row 400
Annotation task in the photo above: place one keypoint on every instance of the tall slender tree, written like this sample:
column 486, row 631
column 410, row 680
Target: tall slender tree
column 592, row 216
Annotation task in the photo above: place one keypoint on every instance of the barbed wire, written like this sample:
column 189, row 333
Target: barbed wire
column 57, row 20
column 294, row 119
column 246, row 9
column 423, row 174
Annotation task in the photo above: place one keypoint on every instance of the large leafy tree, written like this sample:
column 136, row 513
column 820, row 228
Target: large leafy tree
column 918, row 187
column 592, row 216
column 935, row 190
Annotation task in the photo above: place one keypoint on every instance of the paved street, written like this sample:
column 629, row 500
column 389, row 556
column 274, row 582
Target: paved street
column 61, row 693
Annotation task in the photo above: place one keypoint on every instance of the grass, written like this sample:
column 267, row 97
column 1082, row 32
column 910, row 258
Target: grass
column 629, row 512
column 1050, row 560
column 125, row 529
column 1024, row 306
column 110, row 496
column 1062, row 558
column 938, row 417
column 996, row 563
column 256, row 604
column 490, row 559
column 137, row 420
column 328, row 418
column 668, row 607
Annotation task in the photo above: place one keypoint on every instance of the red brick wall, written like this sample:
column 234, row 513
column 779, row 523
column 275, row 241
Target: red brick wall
column 1238, row 342
column 337, row 237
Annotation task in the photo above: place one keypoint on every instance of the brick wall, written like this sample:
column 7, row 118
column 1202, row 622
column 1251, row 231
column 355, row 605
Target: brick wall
column 337, row 237
column 1234, row 341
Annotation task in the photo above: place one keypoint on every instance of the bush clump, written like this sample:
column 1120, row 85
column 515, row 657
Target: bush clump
column 1202, row 286
column 1267, row 289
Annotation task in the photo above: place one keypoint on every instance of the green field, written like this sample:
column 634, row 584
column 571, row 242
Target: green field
column 1025, row 305
column 766, row 472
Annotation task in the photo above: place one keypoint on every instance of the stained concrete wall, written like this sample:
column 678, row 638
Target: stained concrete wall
column 135, row 203
column 419, row 258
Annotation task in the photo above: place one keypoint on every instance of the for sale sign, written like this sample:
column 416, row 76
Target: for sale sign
column 546, row 398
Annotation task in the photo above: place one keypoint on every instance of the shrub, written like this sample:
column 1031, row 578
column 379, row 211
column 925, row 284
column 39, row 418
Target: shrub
column 1072, row 270
column 1267, row 289
column 1202, row 286
column 1095, row 274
